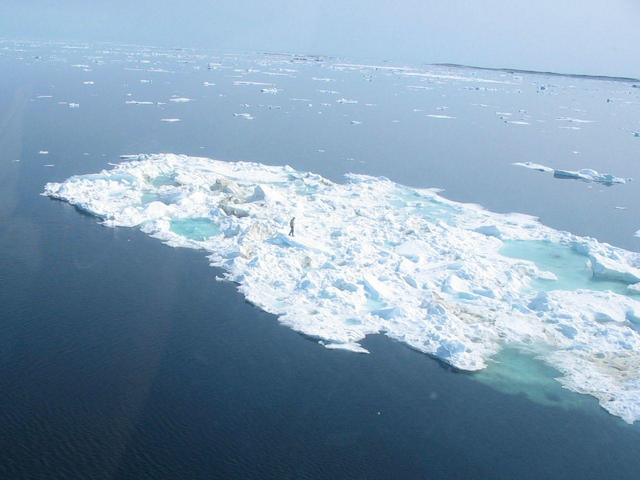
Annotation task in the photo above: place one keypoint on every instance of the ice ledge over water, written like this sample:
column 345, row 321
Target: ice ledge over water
column 371, row 256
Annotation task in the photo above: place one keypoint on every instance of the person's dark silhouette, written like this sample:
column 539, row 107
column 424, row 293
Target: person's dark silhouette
column 291, row 226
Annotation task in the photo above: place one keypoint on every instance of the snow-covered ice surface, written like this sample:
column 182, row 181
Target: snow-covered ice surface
column 371, row 256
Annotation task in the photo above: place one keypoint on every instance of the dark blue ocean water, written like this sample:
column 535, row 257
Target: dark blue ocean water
column 122, row 358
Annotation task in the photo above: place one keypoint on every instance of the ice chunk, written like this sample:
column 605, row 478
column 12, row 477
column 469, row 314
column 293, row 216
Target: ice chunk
column 534, row 166
column 589, row 175
column 350, row 346
column 180, row 99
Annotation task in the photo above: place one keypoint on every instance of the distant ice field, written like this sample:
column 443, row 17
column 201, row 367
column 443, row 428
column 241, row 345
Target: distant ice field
column 371, row 256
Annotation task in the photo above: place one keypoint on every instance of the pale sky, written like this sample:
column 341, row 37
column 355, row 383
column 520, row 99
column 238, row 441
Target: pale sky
column 571, row 36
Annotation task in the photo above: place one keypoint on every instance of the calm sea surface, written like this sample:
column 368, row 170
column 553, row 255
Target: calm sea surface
column 122, row 358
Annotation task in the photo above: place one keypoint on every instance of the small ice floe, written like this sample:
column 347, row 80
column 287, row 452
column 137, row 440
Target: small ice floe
column 238, row 83
column 356, row 122
column 88, row 82
column 138, row 102
column 208, row 84
column 585, row 174
column 180, row 99
column 573, row 120
column 517, row 122
column 534, row 166
column 329, row 92
column 590, row 175
column 170, row 120
column 44, row 96
column 441, row 117
column 145, row 81
column 246, row 116
column 620, row 208
column 318, row 79
column 74, row 105
column 43, row 152
column 270, row 90
column 129, row 157
column 346, row 100
column 49, row 165
column 158, row 70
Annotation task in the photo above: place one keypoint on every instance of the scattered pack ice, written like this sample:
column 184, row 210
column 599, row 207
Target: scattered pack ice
column 585, row 174
column 371, row 256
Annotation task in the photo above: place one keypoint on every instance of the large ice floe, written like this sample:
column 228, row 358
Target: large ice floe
column 371, row 256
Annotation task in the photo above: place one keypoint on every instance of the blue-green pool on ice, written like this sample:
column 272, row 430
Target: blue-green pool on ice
column 195, row 228
column 569, row 266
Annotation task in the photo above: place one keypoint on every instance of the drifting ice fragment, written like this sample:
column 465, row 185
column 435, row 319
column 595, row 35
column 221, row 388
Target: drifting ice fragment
column 585, row 174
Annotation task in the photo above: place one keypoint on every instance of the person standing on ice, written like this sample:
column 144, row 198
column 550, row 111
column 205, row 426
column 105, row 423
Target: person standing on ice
column 291, row 226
